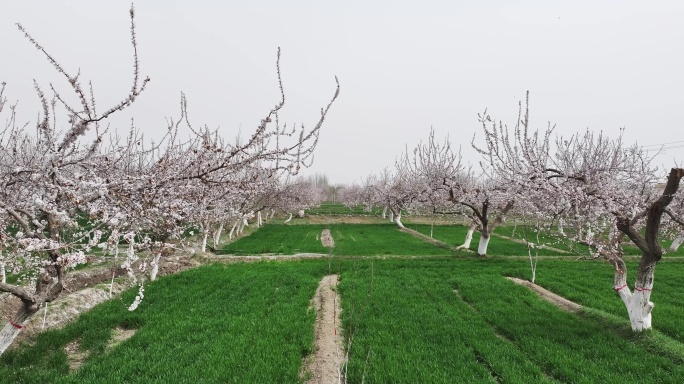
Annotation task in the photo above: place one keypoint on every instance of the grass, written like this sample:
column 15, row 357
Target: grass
column 460, row 321
column 279, row 239
column 589, row 282
column 425, row 320
column 455, row 235
column 247, row 323
column 329, row 208
column 350, row 240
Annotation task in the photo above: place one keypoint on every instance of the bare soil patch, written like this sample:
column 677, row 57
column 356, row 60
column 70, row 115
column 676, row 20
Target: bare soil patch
column 327, row 239
column 549, row 296
column 75, row 357
column 325, row 365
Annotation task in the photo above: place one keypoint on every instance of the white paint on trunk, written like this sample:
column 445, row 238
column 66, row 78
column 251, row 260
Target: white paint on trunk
column 638, row 304
column 384, row 212
column 468, row 239
column 13, row 327
column 288, row 219
column 204, row 241
column 155, row 266
column 232, row 230
column 397, row 220
column 217, row 235
column 676, row 243
column 482, row 246
column 259, row 221
column 391, row 217
column 3, row 272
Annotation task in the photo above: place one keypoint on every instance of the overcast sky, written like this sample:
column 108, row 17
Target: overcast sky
column 404, row 66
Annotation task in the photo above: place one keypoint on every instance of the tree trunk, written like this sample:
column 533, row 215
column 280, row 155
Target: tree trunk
column 217, row 235
column 384, row 212
column 397, row 220
column 484, row 242
column 232, row 230
column 676, row 243
column 638, row 304
column 155, row 264
column 204, row 241
column 391, row 217
column 469, row 237
column 15, row 325
column 3, row 272
column 288, row 219
column 259, row 221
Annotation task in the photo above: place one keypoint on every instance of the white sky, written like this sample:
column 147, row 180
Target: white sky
column 404, row 66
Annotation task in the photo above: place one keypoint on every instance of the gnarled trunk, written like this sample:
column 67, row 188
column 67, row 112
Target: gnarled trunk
column 637, row 303
column 16, row 323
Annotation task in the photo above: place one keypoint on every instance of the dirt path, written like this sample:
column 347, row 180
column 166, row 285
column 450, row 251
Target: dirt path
column 325, row 365
column 549, row 296
column 327, row 239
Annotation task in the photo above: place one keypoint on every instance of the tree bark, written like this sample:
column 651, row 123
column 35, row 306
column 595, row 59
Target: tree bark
column 16, row 323
column 288, row 219
column 3, row 272
column 384, row 212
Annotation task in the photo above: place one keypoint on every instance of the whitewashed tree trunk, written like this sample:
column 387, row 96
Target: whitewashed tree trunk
column 204, row 240
column 397, row 220
column 288, row 219
column 676, row 243
column 469, row 237
column 637, row 303
column 15, row 325
column 484, row 242
column 384, row 212
column 155, row 265
column 217, row 235
column 232, row 230
column 3, row 272
column 638, row 306
column 391, row 217
column 259, row 221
